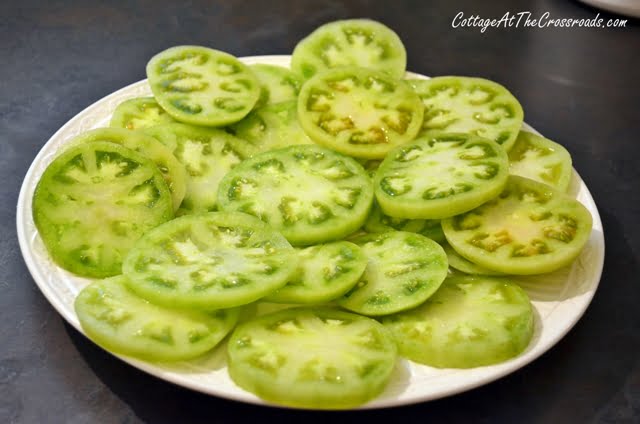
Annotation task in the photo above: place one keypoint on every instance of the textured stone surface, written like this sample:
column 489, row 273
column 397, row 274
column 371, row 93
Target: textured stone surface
column 580, row 87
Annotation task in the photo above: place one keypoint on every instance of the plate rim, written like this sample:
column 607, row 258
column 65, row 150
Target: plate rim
column 499, row 370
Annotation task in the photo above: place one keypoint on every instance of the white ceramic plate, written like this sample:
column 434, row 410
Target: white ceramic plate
column 559, row 299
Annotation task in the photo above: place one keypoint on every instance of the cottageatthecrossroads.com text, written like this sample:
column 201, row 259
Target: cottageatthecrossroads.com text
column 527, row 20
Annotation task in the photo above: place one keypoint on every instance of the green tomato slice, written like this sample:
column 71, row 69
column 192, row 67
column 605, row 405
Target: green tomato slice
column 271, row 127
column 209, row 261
column 93, row 202
column 359, row 112
column 470, row 105
column 309, row 193
column 207, row 154
column 325, row 272
column 541, row 159
column 202, row 86
column 404, row 269
column 378, row 222
column 172, row 170
column 353, row 42
column 121, row 322
column 278, row 84
column 439, row 176
column 469, row 322
column 529, row 229
column 317, row 358
column 464, row 265
column 139, row 113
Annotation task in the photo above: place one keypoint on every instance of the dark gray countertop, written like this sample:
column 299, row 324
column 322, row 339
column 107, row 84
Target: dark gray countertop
column 578, row 86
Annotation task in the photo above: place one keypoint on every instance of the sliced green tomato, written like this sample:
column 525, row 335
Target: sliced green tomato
column 439, row 176
column 209, row 261
column 325, row 272
column 207, row 154
column 470, row 105
column 404, row 269
column 278, row 84
column 359, row 112
column 202, row 86
column 312, row 358
column 139, row 113
column 309, row 193
column 464, row 265
column 271, row 127
column 541, row 159
column 529, row 229
column 378, row 222
column 172, row 170
column 121, row 322
column 469, row 322
column 93, row 202
column 354, row 42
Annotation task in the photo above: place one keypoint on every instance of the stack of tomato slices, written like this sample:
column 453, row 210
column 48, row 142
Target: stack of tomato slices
column 388, row 216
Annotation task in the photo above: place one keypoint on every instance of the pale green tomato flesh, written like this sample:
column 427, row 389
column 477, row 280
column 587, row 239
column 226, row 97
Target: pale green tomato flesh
column 359, row 112
column 209, row 261
column 121, row 322
column 308, row 193
column 378, row 222
column 529, row 229
column 172, row 170
column 325, row 272
column 278, row 84
column 470, row 105
column 202, row 86
column 541, row 159
column 464, row 265
column 469, row 322
column 354, row 42
column 440, row 176
column 312, row 358
column 271, row 127
column 139, row 113
column 207, row 155
column 93, row 202
column 404, row 269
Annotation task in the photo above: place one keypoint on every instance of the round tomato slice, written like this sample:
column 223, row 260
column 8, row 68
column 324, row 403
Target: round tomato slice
column 278, row 84
column 470, row 105
column 359, row 112
column 325, row 272
column 353, row 42
column 469, row 322
column 529, row 229
column 378, row 222
column 439, row 176
column 207, row 154
column 202, row 86
column 93, row 202
column 541, row 159
column 271, row 127
column 172, row 170
column 139, row 113
column 121, row 322
column 312, row 358
column 309, row 193
column 209, row 261
column 404, row 269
